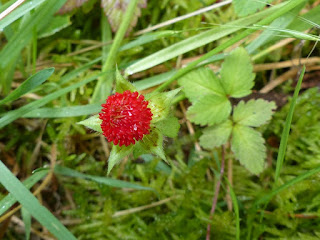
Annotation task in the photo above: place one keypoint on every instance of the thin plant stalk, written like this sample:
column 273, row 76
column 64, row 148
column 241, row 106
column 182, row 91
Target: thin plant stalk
column 230, row 179
column 216, row 192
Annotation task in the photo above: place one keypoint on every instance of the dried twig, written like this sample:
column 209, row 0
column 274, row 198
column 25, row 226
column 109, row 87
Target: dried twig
column 216, row 192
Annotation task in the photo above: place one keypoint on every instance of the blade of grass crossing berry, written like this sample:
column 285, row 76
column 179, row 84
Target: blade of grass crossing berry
column 275, row 13
column 32, row 205
column 103, row 87
column 286, row 130
column 19, row 12
column 236, row 209
column 103, row 180
column 26, row 217
column 75, row 111
column 9, row 200
column 15, row 114
column 31, row 83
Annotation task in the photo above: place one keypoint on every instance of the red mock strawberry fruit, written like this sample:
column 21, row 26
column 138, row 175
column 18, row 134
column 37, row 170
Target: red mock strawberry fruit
column 125, row 118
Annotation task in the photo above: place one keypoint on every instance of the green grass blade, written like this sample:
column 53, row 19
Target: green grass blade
column 31, row 83
column 32, row 205
column 276, row 12
column 64, row 112
column 19, row 12
column 6, row 5
column 8, row 201
column 267, row 197
column 40, row 18
column 103, row 180
column 15, row 114
column 282, row 23
column 26, row 217
column 291, row 33
column 286, row 130
column 236, row 209
column 71, row 75
column 194, row 42
column 153, row 81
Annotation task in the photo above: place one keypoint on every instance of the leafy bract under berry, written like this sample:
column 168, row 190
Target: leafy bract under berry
column 125, row 118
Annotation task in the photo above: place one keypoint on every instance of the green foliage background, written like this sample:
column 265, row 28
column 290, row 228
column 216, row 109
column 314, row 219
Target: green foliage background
column 151, row 199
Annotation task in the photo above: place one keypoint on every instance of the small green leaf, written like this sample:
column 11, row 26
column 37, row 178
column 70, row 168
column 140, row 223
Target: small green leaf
column 247, row 7
column 236, row 74
column 202, row 80
column 160, row 104
column 153, row 143
column 122, row 84
column 169, row 126
column 93, row 123
column 117, row 154
column 248, row 146
column 210, row 109
column 253, row 113
column 29, row 84
column 216, row 135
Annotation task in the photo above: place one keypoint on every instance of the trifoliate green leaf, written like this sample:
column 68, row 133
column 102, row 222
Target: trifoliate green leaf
column 122, row 84
column 253, row 113
column 248, row 146
column 93, row 123
column 169, row 126
column 117, row 154
column 216, row 135
column 236, row 74
column 160, row 104
column 201, row 82
column 246, row 7
column 152, row 142
column 210, row 109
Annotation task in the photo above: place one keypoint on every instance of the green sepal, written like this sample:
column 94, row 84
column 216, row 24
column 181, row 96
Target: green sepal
column 169, row 126
column 117, row 154
column 160, row 104
column 152, row 142
column 122, row 84
column 93, row 123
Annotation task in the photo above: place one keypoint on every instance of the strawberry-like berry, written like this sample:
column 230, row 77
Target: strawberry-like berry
column 125, row 118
